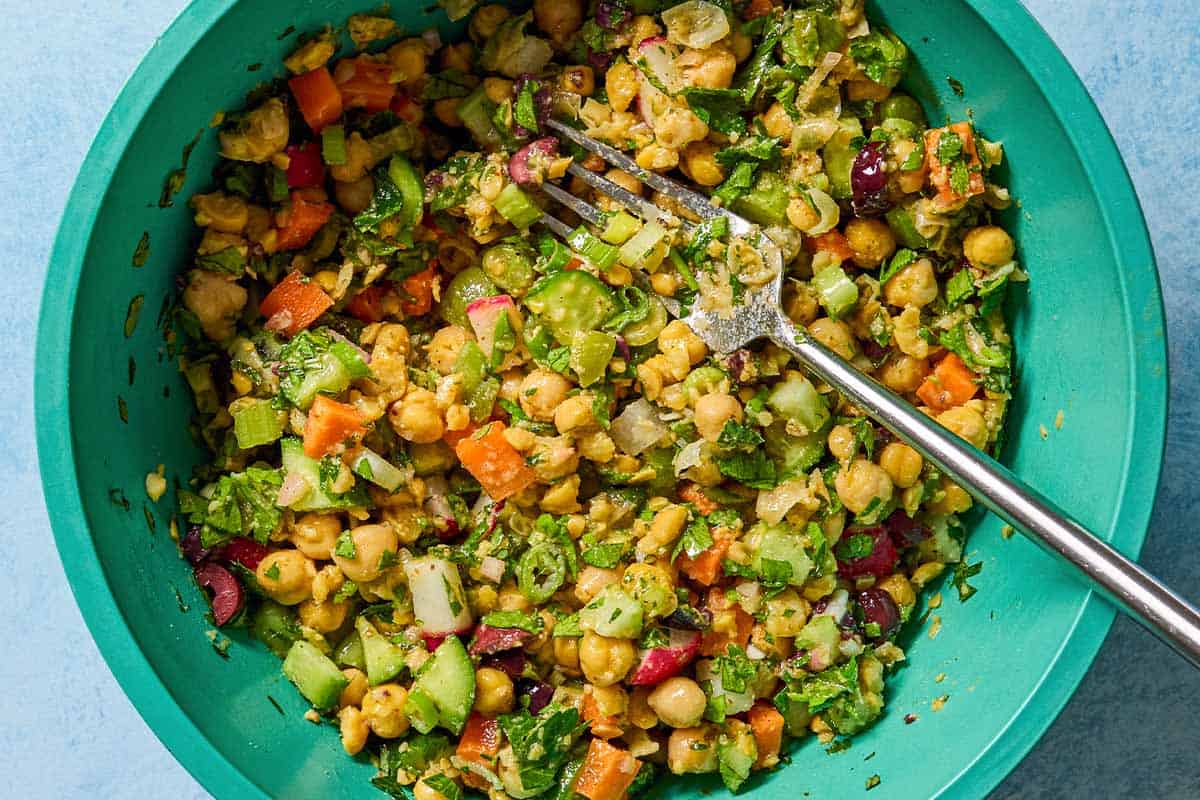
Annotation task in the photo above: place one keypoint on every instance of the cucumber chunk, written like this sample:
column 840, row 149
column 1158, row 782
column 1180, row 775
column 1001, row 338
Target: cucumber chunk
column 448, row 680
column 384, row 660
column 570, row 301
column 317, row 678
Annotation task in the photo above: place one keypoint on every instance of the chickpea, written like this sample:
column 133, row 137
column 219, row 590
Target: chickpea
column 621, row 84
column 459, row 56
column 286, row 576
column 510, row 598
column 597, row 446
column 801, row 214
column 356, row 690
column 566, row 653
column 988, row 246
column 692, row 750
column 562, row 497
column 899, row 588
column 220, row 212
column 558, row 18
column 679, row 702
column 554, row 457
column 699, row 163
column 659, row 158
column 354, row 729
column 902, row 464
column 575, row 414
column 906, row 328
column 493, row 692
column 664, row 283
column 358, row 160
column 578, row 79
column 313, row 54
column 904, row 374
column 842, row 443
column 542, row 392
column 383, row 707
column 862, row 482
column 711, row 68
column 408, row 59
column 967, row 423
column 355, row 196
column 787, row 612
column 316, row 534
column 741, row 44
column 261, row 134
column 777, row 121
column 486, row 21
column 370, row 544
column 456, row 253
column 446, row 110
column 835, row 335
column 915, row 285
column 778, row 647
column 605, row 661
column 416, row 417
column 677, row 334
column 497, row 90
column 871, row 240
column 325, row 617
column 445, row 346
column 651, row 585
column 215, row 299
column 592, row 580
column 713, row 411
column 665, row 528
column 640, row 713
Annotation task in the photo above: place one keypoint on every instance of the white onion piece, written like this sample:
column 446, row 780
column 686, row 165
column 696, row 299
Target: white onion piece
column 861, row 28
column 696, row 23
column 835, row 606
column 810, row 86
column 749, row 595
column 637, row 428
column 438, row 506
column 492, row 568
column 432, row 38
column 828, row 208
column 690, row 456
column 773, row 506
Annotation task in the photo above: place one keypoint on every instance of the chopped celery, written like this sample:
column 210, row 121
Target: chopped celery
column 375, row 468
column 256, row 423
column 476, row 111
column 590, row 353
column 471, row 367
column 798, row 401
column 900, row 220
column 516, row 207
column 409, row 183
column 333, row 145
column 835, row 291
column 839, row 154
column 685, row 272
column 619, row 227
column 647, row 248
column 601, row 254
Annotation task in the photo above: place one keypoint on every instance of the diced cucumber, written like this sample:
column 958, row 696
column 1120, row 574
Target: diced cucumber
column 613, row 613
column 835, row 290
column 375, row 468
column 326, row 373
column 602, row 254
column 256, row 423
column 467, row 286
column 767, row 202
column 510, row 267
column 646, row 331
column 570, row 301
column 590, row 353
column 776, row 544
column 384, row 660
column 316, row 499
column 317, row 678
column 620, row 227
column 839, row 157
column 796, row 399
column 428, row 459
column 412, row 191
column 820, row 634
column 476, row 111
column 900, row 220
column 421, row 711
column 275, row 626
column 448, row 679
column 795, row 455
column 349, row 652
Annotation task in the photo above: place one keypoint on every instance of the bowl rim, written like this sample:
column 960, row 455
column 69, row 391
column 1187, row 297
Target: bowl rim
column 1121, row 210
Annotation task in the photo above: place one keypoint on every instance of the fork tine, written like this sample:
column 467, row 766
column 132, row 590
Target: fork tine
column 647, row 209
column 696, row 203
column 560, row 228
column 584, row 210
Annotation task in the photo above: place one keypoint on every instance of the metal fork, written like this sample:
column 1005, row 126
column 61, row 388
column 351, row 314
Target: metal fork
column 759, row 315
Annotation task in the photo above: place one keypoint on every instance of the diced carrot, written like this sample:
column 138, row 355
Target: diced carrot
column 302, row 301
column 479, row 744
column 418, row 292
column 757, row 8
column 318, row 96
column 607, row 772
column 452, row 438
column 692, row 493
column 301, row 219
column 951, row 384
column 368, row 304
column 496, row 464
column 716, row 642
column 603, row 725
column 365, row 83
column 767, row 724
column 940, row 174
column 705, row 568
column 834, row 242
column 329, row 424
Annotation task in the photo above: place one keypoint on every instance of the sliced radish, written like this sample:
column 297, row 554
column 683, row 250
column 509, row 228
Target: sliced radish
column 527, row 167
column 439, row 602
column 660, row 663
column 484, row 315
column 657, row 57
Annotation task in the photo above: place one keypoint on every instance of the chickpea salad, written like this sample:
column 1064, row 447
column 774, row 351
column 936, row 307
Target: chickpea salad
column 511, row 529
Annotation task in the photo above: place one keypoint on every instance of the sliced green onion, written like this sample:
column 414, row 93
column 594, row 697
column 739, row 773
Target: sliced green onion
column 619, row 227
column 256, row 423
column 835, row 290
column 555, row 254
column 333, row 145
column 277, row 185
column 476, row 111
column 684, row 270
column 647, row 248
column 516, row 207
column 601, row 254
column 375, row 468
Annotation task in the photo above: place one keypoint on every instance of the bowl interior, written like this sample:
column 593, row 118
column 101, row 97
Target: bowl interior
column 1089, row 337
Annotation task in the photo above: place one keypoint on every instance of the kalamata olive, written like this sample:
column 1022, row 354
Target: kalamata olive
column 868, row 179
column 190, row 545
column 611, row 14
column 241, row 550
column 904, row 530
column 856, row 557
column 538, row 692
column 527, row 167
column 510, row 662
column 489, row 640
column 878, row 607
column 689, row 618
column 227, row 591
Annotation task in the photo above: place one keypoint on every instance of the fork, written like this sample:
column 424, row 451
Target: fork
column 759, row 315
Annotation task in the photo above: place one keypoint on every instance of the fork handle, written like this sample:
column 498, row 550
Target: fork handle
column 1135, row 591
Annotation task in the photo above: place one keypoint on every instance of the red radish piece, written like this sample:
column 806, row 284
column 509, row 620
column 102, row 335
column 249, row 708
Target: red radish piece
column 438, row 597
column 489, row 640
column 433, row 642
column 227, row 591
column 660, row 663
column 246, row 552
column 879, row 562
column 659, row 57
column 485, row 312
column 305, row 167
column 528, row 165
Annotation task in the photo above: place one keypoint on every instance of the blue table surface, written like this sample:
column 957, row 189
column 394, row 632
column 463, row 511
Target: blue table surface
column 67, row 730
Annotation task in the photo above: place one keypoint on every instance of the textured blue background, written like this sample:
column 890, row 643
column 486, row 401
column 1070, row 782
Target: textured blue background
column 66, row 730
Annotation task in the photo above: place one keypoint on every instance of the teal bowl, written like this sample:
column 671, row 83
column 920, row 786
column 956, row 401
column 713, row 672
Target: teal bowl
column 111, row 406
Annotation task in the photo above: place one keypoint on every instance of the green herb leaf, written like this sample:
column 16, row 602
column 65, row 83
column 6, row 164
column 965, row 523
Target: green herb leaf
column 345, row 546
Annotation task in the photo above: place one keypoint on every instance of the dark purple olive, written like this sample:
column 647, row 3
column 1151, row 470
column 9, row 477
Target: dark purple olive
column 611, row 14
column 689, row 618
column 868, row 179
column 227, row 592
column 875, row 351
column 904, row 530
column 192, row 549
column 878, row 607
column 538, row 692
column 511, row 663
column 599, row 61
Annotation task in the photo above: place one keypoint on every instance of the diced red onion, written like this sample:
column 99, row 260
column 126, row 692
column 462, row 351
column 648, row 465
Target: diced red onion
column 279, row 321
column 539, row 693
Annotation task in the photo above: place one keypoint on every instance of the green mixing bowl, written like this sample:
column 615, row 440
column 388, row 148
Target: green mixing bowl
column 1090, row 339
